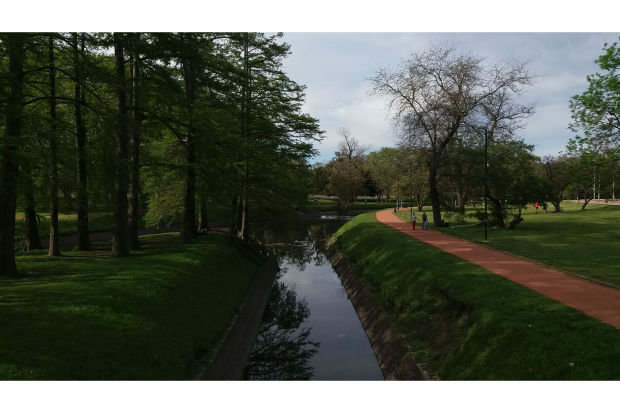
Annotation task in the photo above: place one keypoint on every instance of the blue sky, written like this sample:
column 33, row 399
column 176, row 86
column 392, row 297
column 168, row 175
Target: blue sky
column 335, row 66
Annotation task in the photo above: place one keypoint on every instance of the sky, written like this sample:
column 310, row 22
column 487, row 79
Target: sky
column 335, row 67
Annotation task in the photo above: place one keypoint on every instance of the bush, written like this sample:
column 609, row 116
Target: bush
column 459, row 219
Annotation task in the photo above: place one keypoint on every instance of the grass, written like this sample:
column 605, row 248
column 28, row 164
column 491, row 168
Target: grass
column 330, row 205
column 581, row 242
column 466, row 323
column 98, row 222
column 151, row 316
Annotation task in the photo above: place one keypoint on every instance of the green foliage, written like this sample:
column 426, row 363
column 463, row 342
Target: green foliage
column 465, row 323
column 597, row 110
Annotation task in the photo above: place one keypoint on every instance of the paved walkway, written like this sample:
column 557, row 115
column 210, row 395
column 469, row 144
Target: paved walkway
column 593, row 299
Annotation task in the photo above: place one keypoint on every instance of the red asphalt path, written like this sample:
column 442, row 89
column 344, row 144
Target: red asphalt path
column 602, row 303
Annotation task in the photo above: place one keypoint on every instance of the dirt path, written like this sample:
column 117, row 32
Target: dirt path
column 597, row 301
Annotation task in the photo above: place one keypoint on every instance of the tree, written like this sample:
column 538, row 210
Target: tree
column 346, row 171
column 558, row 177
column 596, row 111
column 383, row 170
column 11, row 145
column 436, row 94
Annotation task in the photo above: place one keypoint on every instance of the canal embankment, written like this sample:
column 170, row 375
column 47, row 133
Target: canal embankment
column 461, row 322
column 393, row 355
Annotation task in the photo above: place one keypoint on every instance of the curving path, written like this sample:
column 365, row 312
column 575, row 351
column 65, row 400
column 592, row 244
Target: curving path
column 597, row 301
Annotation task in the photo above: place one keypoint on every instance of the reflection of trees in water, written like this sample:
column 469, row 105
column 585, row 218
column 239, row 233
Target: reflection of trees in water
column 282, row 350
column 305, row 243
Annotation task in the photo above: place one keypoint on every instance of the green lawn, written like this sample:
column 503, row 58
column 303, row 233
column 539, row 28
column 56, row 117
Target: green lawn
column 581, row 242
column 468, row 323
column 330, row 205
column 151, row 316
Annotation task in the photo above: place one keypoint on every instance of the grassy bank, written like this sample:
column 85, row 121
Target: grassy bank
column 582, row 242
column 86, row 316
column 467, row 323
column 330, row 205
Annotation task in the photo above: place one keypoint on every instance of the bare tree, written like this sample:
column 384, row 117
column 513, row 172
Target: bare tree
column 436, row 94
column 349, row 147
column 346, row 170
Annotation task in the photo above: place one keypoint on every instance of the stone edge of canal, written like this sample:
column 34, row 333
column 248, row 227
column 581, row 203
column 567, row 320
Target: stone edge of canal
column 394, row 359
column 232, row 355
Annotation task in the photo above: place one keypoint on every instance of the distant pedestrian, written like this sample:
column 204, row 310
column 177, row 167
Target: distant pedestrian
column 536, row 207
column 424, row 221
column 544, row 207
column 413, row 220
column 577, row 198
column 365, row 201
column 473, row 204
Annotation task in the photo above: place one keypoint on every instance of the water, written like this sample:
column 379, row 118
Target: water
column 310, row 330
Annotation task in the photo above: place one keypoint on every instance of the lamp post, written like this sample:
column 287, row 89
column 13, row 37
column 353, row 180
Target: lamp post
column 398, row 193
column 411, row 188
column 486, row 177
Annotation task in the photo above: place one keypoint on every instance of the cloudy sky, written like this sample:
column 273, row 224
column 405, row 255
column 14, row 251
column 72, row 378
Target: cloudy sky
column 335, row 66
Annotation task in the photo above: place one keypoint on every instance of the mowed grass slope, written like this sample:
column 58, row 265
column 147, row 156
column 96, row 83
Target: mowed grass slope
column 582, row 242
column 151, row 316
column 465, row 323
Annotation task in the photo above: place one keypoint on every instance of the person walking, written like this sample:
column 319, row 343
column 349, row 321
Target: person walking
column 424, row 221
column 577, row 198
column 536, row 208
column 544, row 207
column 413, row 220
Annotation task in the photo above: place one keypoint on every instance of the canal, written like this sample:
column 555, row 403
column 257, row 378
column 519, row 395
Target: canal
column 310, row 330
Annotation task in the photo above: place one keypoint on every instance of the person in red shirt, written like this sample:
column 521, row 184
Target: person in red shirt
column 537, row 207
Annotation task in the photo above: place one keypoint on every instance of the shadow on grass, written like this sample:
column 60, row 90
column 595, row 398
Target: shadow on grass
column 141, row 317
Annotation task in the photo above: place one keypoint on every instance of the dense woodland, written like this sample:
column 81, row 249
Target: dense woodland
column 160, row 124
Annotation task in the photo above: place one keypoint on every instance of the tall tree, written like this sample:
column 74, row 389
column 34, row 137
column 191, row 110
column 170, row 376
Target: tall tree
column 596, row 111
column 11, row 144
column 134, row 145
column 79, row 96
column 120, row 244
column 436, row 93
column 54, row 247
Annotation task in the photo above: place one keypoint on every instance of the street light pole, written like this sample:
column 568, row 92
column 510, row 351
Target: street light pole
column 486, row 177
column 411, row 188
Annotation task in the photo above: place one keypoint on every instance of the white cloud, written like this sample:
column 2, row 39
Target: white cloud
column 335, row 66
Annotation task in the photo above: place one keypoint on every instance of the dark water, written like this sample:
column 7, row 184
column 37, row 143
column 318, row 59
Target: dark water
column 310, row 330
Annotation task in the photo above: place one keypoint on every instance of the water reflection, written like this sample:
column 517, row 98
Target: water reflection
column 282, row 349
column 288, row 345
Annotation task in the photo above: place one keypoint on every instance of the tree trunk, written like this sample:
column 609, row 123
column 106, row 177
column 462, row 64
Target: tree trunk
column 120, row 246
column 32, row 239
column 203, row 219
column 189, row 203
column 514, row 222
column 83, row 236
column 461, row 196
column 245, row 228
column 134, row 172
column 10, row 149
column 54, row 249
column 434, row 194
column 239, row 217
column 498, row 211
column 233, row 219
column 585, row 203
